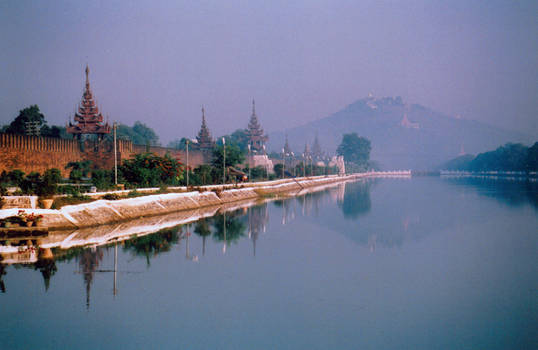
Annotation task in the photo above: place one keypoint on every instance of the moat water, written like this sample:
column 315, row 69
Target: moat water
column 421, row 263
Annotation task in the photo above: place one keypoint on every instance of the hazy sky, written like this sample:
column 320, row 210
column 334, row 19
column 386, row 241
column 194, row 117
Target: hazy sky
column 160, row 61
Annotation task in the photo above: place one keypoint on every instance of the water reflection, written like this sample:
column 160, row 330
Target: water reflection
column 229, row 228
column 513, row 192
column 152, row 245
column 399, row 213
column 47, row 267
column 356, row 200
column 88, row 262
column 203, row 230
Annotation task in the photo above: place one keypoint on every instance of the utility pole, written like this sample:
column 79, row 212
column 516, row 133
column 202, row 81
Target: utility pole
column 187, row 143
column 224, row 161
column 304, row 166
column 115, row 155
column 266, row 160
column 249, row 163
column 283, row 162
column 32, row 128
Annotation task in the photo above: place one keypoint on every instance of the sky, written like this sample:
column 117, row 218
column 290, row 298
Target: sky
column 159, row 62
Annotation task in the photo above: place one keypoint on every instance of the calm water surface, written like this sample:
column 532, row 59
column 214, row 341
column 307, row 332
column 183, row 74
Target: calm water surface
column 422, row 263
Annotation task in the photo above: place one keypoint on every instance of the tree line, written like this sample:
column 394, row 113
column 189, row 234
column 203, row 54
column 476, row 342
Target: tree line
column 509, row 157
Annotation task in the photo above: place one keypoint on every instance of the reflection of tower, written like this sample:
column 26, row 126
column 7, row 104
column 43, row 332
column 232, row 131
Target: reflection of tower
column 88, row 263
column 202, row 229
column 188, row 255
column 257, row 219
column 48, row 268
column 2, row 273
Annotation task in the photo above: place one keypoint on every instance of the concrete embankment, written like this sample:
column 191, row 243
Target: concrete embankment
column 103, row 212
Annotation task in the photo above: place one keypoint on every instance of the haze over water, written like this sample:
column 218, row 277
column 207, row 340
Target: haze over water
column 422, row 263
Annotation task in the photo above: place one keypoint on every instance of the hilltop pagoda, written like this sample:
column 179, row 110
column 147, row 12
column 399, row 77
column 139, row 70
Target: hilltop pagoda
column 255, row 132
column 205, row 141
column 88, row 119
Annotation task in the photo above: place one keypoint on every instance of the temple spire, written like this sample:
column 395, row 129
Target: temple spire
column 287, row 149
column 306, row 152
column 88, row 118
column 205, row 141
column 255, row 132
column 317, row 153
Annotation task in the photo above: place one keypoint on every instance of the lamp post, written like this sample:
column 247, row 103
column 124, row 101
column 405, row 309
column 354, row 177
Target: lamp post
column 304, row 166
column 283, row 162
column 187, row 144
column 292, row 162
column 249, row 158
column 115, row 156
column 224, row 161
column 266, row 160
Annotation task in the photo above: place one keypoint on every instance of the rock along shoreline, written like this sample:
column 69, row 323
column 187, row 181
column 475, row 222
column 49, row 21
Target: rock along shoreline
column 103, row 212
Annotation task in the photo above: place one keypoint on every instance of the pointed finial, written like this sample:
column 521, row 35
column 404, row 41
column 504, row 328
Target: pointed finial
column 253, row 107
column 203, row 112
column 87, row 71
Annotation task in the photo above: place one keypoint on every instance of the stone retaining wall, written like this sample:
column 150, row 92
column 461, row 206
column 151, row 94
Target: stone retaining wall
column 102, row 212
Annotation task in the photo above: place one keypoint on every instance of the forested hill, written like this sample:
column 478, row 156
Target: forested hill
column 403, row 136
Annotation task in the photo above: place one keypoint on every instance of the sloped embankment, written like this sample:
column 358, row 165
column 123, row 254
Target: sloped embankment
column 102, row 212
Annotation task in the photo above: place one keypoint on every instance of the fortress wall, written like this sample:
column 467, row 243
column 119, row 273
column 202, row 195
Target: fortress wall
column 35, row 153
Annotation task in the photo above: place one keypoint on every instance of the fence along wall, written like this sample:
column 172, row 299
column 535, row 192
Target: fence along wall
column 34, row 153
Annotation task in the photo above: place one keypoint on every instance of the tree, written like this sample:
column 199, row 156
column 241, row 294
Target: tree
column 49, row 182
column 79, row 169
column 531, row 163
column 278, row 169
column 510, row 157
column 233, row 156
column 27, row 115
column 139, row 134
column 103, row 179
column 180, row 144
column 204, row 174
column 355, row 149
column 148, row 169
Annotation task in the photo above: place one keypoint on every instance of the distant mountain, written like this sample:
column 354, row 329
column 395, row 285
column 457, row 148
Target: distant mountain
column 403, row 136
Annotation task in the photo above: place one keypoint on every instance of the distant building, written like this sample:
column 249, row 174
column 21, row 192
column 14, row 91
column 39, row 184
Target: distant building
column 306, row 153
column 408, row 124
column 255, row 133
column 287, row 149
column 88, row 119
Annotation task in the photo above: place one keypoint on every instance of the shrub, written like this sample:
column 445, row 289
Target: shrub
column 49, row 183
column 103, row 179
column 111, row 196
column 149, row 169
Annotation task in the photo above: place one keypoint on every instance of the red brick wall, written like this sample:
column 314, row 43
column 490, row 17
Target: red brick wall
column 32, row 153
